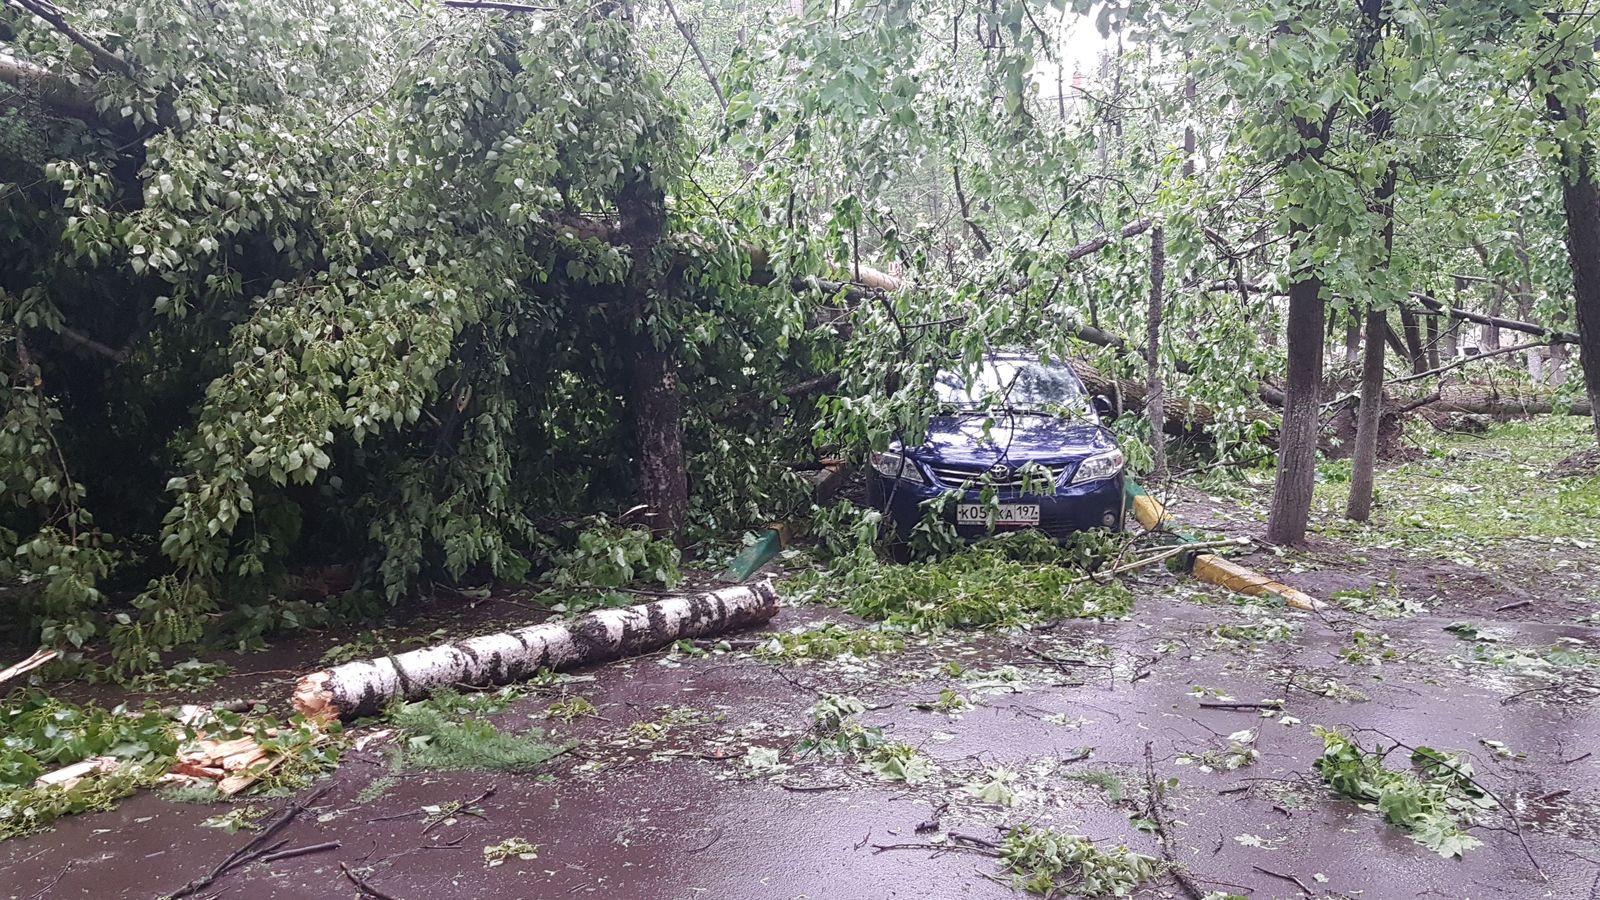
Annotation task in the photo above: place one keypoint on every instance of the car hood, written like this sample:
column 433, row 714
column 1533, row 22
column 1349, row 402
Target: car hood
column 1015, row 438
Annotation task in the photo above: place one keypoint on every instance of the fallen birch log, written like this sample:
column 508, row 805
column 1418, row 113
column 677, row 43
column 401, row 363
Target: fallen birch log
column 366, row 686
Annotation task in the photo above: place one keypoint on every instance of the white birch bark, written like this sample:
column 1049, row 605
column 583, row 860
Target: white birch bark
column 366, row 686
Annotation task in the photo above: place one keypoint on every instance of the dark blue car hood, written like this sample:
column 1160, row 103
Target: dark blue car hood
column 1015, row 438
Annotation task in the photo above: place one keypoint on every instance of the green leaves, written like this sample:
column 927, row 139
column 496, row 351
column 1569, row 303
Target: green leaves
column 1042, row 861
column 611, row 556
column 1432, row 808
column 899, row 761
column 984, row 585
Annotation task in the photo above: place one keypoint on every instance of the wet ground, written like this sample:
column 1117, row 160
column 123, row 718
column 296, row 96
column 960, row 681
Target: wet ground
column 661, row 798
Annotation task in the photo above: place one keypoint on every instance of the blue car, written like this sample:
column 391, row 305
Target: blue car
column 1024, row 434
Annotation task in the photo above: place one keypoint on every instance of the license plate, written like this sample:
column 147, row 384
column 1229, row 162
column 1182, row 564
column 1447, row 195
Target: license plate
column 1006, row 515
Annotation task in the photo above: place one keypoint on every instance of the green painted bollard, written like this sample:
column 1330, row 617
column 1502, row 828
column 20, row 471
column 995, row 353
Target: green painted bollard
column 757, row 554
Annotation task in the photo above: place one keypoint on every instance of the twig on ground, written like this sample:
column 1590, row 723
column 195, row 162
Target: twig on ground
column 300, row 851
column 44, row 891
column 932, row 824
column 1230, row 704
column 1297, row 882
column 361, row 884
column 1512, row 698
column 707, row 846
column 257, row 847
column 800, row 788
column 936, row 848
column 1158, row 815
column 1510, row 606
column 462, row 809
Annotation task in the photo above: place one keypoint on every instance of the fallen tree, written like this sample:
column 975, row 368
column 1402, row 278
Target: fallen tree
column 366, row 686
column 1488, row 401
column 1182, row 416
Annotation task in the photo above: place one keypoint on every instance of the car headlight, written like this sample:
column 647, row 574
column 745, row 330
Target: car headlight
column 894, row 464
column 1104, row 465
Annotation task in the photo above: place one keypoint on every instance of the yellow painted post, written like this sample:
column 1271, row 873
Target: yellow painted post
column 1213, row 569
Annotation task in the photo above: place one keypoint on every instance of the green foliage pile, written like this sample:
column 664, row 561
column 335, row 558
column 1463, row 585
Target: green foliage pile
column 39, row 733
column 1432, row 808
column 606, row 555
column 835, row 731
column 1010, row 580
column 829, row 641
column 443, row 733
column 1051, row 864
column 348, row 295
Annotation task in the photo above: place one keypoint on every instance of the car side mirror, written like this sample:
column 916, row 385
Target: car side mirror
column 1103, row 407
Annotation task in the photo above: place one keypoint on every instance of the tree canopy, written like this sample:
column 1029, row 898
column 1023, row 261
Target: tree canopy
column 408, row 286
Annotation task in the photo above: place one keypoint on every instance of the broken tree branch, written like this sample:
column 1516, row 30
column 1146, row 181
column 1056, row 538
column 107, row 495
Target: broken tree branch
column 694, row 46
column 497, row 6
column 39, row 658
column 1156, row 792
column 1438, row 307
column 256, row 848
column 53, row 16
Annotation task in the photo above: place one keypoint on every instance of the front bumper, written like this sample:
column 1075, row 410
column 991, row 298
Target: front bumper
column 1077, row 507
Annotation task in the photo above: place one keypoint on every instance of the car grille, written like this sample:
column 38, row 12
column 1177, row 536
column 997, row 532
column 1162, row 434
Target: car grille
column 955, row 476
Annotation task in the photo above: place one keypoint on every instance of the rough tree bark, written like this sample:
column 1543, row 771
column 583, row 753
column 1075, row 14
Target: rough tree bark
column 1358, row 507
column 366, row 686
column 1297, row 439
column 655, row 405
column 1155, row 406
column 1580, row 195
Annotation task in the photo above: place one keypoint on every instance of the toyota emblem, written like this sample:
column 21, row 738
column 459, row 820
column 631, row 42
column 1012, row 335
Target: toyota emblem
column 1000, row 471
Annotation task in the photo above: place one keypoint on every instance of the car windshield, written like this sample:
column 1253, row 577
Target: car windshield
column 1012, row 384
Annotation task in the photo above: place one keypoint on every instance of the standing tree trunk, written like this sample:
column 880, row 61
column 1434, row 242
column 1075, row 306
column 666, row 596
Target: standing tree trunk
column 1155, row 406
column 1412, row 329
column 1297, row 439
column 1580, row 198
column 1358, row 507
column 656, row 407
column 1369, row 417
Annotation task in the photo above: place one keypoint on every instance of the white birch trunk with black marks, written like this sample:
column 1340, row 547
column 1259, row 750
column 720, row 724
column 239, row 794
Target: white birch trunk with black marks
column 366, row 686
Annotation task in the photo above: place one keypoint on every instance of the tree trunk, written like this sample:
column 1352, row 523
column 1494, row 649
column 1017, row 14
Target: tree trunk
column 656, row 407
column 1369, row 417
column 1509, row 404
column 1297, row 439
column 657, row 422
column 1412, row 329
column 366, row 686
column 1155, row 406
column 1580, row 198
